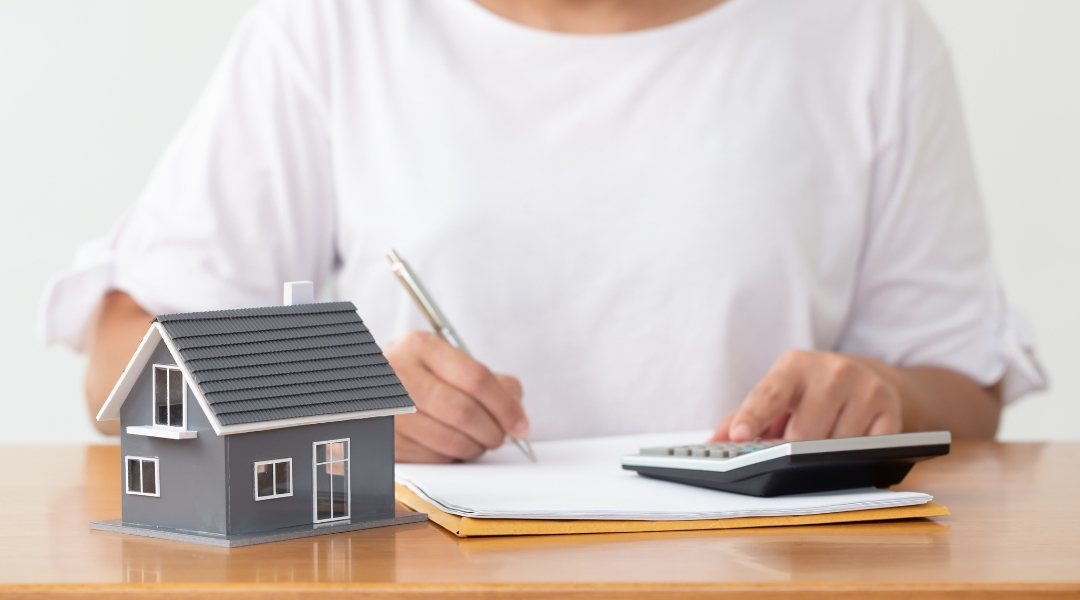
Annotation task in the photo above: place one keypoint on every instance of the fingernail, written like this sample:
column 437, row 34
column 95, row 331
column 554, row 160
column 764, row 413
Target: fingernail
column 520, row 429
column 741, row 432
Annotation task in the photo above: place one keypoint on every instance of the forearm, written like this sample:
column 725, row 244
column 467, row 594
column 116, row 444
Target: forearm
column 115, row 332
column 935, row 398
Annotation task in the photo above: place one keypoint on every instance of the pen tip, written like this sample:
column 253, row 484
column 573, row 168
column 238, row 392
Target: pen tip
column 527, row 447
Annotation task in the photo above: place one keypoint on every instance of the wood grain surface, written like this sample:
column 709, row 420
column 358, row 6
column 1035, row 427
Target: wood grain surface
column 1015, row 531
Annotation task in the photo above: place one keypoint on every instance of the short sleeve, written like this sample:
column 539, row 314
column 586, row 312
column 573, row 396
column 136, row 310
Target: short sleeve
column 928, row 292
column 241, row 201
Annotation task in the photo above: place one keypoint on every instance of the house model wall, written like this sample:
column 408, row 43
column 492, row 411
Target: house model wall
column 254, row 425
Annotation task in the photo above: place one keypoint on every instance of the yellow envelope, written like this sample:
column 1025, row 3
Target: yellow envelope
column 469, row 527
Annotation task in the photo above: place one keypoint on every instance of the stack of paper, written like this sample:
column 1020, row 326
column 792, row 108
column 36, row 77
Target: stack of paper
column 583, row 479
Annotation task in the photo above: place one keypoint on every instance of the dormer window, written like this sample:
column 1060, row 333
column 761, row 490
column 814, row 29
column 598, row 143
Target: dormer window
column 169, row 405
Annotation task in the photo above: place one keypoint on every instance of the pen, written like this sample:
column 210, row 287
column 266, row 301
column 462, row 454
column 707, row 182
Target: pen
column 439, row 322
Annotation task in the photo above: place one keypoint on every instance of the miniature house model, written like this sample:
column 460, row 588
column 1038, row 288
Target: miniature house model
column 255, row 425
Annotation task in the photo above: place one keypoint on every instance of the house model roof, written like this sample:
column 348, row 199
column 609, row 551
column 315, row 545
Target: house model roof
column 259, row 368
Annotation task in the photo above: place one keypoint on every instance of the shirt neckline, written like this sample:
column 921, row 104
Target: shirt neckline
column 501, row 25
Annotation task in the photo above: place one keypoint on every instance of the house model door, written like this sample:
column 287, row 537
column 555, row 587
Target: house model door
column 330, row 483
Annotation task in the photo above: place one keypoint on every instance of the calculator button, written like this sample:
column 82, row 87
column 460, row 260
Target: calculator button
column 658, row 451
column 680, row 451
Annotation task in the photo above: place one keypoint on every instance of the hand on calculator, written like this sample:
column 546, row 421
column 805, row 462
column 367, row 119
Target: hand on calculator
column 814, row 395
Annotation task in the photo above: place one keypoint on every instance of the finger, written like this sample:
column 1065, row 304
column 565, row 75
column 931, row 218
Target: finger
column 511, row 384
column 769, row 399
column 834, row 381
column 854, row 420
column 721, row 433
column 450, row 406
column 885, row 424
column 407, row 450
column 436, row 436
column 814, row 416
column 437, row 398
column 463, row 372
column 775, row 431
column 858, row 414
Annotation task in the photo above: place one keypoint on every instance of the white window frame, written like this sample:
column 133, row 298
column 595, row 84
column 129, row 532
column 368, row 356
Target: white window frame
column 315, row 485
column 157, row 475
column 255, row 475
column 153, row 397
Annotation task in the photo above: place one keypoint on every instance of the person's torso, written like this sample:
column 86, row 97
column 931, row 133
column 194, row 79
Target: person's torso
column 637, row 226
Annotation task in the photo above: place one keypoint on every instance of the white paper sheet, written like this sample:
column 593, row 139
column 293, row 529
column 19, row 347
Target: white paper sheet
column 583, row 479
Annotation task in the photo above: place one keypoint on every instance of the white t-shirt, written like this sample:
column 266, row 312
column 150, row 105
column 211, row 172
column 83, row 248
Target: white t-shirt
column 636, row 225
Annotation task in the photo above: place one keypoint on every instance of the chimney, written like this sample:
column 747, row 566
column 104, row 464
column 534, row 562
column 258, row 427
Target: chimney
column 299, row 292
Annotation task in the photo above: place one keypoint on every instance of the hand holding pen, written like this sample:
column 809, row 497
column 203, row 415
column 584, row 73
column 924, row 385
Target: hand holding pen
column 463, row 408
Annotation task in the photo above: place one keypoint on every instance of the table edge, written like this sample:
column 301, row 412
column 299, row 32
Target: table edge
column 803, row 590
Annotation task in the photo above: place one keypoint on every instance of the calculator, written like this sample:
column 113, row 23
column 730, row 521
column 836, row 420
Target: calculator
column 779, row 468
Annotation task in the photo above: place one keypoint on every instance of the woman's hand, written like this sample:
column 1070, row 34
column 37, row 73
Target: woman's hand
column 462, row 408
column 813, row 395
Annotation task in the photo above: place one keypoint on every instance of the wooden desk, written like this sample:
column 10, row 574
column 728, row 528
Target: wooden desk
column 1015, row 531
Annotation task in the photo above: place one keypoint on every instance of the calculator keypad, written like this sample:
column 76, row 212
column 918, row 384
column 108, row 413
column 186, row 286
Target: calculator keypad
column 722, row 450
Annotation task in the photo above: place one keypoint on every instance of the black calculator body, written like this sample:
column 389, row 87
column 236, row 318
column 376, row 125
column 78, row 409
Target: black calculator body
column 779, row 468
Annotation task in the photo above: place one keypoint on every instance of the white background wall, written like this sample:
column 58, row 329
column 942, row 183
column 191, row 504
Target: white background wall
column 92, row 90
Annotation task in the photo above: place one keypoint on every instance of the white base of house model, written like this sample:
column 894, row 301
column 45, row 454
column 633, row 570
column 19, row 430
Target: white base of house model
column 400, row 517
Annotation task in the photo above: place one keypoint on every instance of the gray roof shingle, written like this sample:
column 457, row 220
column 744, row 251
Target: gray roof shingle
column 279, row 362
